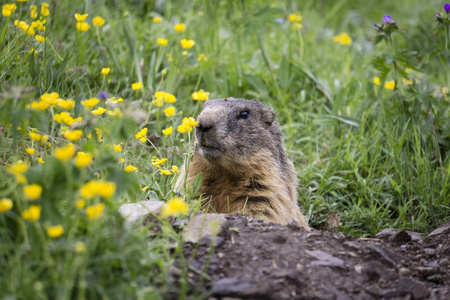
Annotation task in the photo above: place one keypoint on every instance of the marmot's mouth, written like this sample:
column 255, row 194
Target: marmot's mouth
column 205, row 143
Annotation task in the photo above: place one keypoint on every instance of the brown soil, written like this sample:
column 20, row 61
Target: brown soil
column 253, row 259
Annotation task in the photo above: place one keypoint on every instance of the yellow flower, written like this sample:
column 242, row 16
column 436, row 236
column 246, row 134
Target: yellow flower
column 157, row 19
column 99, row 111
column 137, row 86
column 83, row 26
column 80, row 18
column 66, row 104
column 18, row 168
column 130, row 168
column 115, row 112
column 65, row 118
column 80, row 247
column 22, row 0
column 165, row 172
column 33, row 191
column 33, row 13
column 99, row 133
column 175, row 169
column 175, row 206
column 98, row 21
column 73, row 135
column 105, row 71
column 158, row 162
column 8, row 9
column 390, row 85
column 5, row 204
column 168, row 131
column 44, row 10
column 35, row 136
column 170, row 111
column 376, row 80
column 444, row 90
column 21, row 179
column 121, row 160
column 38, row 24
column 95, row 211
column 180, row 27
column 30, row 151
column 187, row 44
column 90, row 103
column 184, row 53
column 80, row 203
column 55, row 232
column 65, row 153
column 169, row 57
column 162, row 42
column 40, row 160
column 117, row 148
column 202, row 57
column 39, row 38
column 141, row 135
column 188, row 125
column 295, row 18
column 83, row 159
column 100, row 188
column 407, row 82
column 145, row 188
column 343, row 39
column 200, row 95
column 33, row 213
column 169, row 98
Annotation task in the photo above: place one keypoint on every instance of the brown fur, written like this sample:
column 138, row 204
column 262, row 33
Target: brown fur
column 243, row 162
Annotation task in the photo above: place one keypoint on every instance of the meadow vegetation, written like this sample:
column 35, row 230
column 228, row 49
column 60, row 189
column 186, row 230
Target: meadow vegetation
column 98, row 100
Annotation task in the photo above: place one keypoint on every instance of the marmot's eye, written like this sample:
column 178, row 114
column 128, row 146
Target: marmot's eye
column 244, row 114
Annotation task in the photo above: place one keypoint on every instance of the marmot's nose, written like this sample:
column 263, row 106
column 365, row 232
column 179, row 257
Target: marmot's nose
column 202, row 127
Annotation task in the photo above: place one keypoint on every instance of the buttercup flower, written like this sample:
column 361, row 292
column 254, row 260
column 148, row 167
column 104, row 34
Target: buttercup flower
column 162, row 42
column 5, row 204
column 168, row 131
column 80, row 203
column 80, row 18
column 39, row 38
column 73, row 135
column 343, row 39
column 33, row 213
column 98, row 21
column 157, row 19
column 44, row 10
column 35, row 136
column 66, row 104
column 33, row 191
column 90, row 103
column 376, row 80
column 130, row 168
column 165, row 172
column 175, row 169
column 80, row 247
column 180, row 27
column 390, row 85
column 202, row 57
column 188, row 125
column 173, row 207
column 8, row 9
column 33, row 13
column 65, row 153
column 40, row 160
column 295, row 18
column 170, row 111
column 187, row 44
column 141, row 135
column 105, row 71
column 137, row 86
column 30, row 151
column 83, row 26
column 158, row 162
column 95, row 188
column 200, row 95
column 117, row 148
column 55, row 232
column 99, row 111
column 18, row 167
column 83, row 159
column 94, row 212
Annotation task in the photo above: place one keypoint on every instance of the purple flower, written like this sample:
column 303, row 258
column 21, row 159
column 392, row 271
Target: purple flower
column 447, row 7
column 387, row 19
column 279, row 20
column 103, row 95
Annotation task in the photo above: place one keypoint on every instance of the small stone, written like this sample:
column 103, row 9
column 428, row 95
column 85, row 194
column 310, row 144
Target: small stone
column 445, row 227
column 404, row 271
column 202, row 226
column 220, row 254
column 386, row 233
column 133, row 212
column 280, row 239
column 444, row 261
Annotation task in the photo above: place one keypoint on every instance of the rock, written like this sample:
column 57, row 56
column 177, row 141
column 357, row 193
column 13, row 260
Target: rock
column 417, row 289
column 386, row 233
column 202, row 226
column 235, row 287
column 401, row 237
column 133, row 212
column 325, row 259
column 443, row 229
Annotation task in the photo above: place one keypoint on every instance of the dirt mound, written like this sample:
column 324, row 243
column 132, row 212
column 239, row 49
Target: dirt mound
column 253, row 259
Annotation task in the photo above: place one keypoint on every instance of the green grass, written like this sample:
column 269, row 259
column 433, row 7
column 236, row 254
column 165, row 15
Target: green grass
column 368, row 154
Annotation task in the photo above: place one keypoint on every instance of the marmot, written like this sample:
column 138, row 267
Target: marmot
column 240, row 153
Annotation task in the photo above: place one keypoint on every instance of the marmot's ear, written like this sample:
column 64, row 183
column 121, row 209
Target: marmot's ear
column 268, row 116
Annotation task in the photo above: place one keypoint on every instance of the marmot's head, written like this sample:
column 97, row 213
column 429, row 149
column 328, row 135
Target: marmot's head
column 231, row 132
